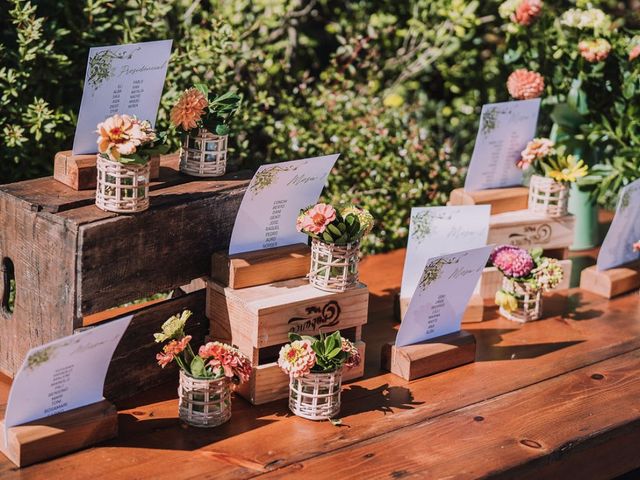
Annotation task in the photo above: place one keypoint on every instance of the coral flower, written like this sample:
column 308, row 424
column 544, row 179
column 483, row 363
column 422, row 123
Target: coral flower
column 172, row 350
column 189, row 109
column 636, row 246
column 512, row 261
column 233, row 363
column 524, row 84
column 594, row 51
column 634, row 53
column 297, row 358
column 317, row 218
column 354, row 358
column 536, row 149
column 527, row 11
column 121, row 134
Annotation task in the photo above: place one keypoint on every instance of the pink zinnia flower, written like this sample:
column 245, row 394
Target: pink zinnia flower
column 172, row 350
column 524, row 84
column 634, row 53
column 512, row 261
column 297, row 358
column 527, row 11
column 594, row 51
column 317, row 218
column 536, row 149
column 636, row 246
column 233, row 362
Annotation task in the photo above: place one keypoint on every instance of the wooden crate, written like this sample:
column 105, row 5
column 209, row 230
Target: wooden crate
column 501, row 199
column 70, row 259
column 529, row 230
column 258, row 320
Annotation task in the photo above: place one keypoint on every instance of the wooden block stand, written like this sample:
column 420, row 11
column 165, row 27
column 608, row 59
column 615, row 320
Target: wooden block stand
column 613, row 282
column 257, row 319
column 501, row 199
column 433, row 356
column 59, row 434
column 71, row 260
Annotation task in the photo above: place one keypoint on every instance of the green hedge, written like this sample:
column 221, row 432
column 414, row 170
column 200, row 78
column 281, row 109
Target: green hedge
column 395, row 86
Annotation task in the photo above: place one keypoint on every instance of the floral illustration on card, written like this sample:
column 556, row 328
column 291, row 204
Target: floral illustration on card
column 101, row 66
column 433, row 271
column 422, row 223
column 268, row 176
column 40, row 357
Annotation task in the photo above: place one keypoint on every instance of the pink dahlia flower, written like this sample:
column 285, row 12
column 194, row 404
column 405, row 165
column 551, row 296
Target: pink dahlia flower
column 536, row 149
column 233, row 362
column 512, row 261
column 527, row 11
column 524, row 84
column 317, row 218
column 297, row 358
column 634, row 53
column 594, row 51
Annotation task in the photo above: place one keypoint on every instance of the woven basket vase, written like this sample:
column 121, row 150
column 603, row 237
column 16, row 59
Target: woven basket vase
column 334, row 268
column 548, row 197
column 316, row 396
column 202, row 402
column 204, row 154
column 122, row 188
column 529, row 303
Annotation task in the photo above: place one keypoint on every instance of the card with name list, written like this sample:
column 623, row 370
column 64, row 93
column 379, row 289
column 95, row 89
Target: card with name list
column 435, row 231
column 504, row 131
column 64, row 374
column 442, row 295
column 120, row 79
column 617, row 248
column 273, row 200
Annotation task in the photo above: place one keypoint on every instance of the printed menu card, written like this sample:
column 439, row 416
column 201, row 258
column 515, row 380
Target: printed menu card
column 436, row 231
column 504, row 131
column 124, row 79
column 442, row 295
column 64, row 374
column 617, row 248
column 273, row 200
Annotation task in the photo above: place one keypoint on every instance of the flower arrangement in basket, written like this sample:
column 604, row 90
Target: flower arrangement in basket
column 526, row 275
column 552, row 172
column 125, row 145
column 205, row 122
column 315, row 366
column 335, row 244
column 204, row 392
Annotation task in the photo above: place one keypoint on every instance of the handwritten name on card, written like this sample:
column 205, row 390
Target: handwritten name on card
column 274, row 198
column 120, row 79
column 505, row 129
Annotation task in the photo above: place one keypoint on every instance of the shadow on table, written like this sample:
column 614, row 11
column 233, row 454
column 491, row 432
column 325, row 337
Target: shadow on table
column 518, row 352
column 573, row 311
column 357, row 399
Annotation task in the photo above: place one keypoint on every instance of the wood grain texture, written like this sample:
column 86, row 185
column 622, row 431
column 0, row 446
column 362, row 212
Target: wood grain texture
column 59, row 434
column 501, row 199
column 260, row 267
column 530, row 230
column 613, row 282
column 429, row 357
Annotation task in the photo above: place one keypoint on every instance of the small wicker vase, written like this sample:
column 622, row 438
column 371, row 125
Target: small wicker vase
column 204, row 155
column 334, row 268
column 122, row 188
column 529, row 303
column 204, row 403
column 548, row 196
column 316, row 396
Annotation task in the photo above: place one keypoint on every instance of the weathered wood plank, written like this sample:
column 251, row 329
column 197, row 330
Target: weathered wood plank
column 529, row 230
column 501, row 199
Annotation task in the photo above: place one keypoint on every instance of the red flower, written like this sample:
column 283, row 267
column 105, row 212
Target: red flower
column 527, row 11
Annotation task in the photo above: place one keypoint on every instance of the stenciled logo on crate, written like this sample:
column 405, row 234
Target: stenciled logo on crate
column 532, row 235
column 316, row 318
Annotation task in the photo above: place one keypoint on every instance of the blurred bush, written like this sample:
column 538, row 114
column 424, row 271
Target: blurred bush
column 395, row 86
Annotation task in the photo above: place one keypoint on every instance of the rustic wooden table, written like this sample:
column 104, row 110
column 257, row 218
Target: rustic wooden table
column 557, row 398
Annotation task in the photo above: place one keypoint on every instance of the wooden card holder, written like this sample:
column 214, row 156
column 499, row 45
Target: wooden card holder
column 260, row 267
column 501, row 199
column 59, row 434
column 613, row 282
column 79, row 171
column 530, row 230
column 432, row 356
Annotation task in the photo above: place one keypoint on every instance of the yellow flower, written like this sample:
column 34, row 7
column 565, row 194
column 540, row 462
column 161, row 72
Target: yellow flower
column 393, row 100
column 505, row 300
column 568, row 170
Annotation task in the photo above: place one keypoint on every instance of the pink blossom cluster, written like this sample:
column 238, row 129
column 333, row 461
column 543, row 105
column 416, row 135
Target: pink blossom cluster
column 297, row 358
column 222, row 356
column 594, row 51
column 316, row 219
column 527, row 11
column 354, row 358
column 524, row 84
column 535, row 150
column 512, row 261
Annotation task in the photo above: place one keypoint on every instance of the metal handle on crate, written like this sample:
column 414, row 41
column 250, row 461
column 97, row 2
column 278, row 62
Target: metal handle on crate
column 8, row 276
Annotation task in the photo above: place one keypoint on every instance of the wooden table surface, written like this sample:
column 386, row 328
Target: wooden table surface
column 557, row 398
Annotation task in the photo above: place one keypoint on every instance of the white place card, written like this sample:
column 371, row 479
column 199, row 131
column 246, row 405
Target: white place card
column 504, row 131
column 272, row 203
column 436, row 231
column 624, row 231
column 442, row 295
column 64, row 374
column 124, row 79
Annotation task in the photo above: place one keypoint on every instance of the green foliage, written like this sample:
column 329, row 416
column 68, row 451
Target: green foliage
column 328, row 349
